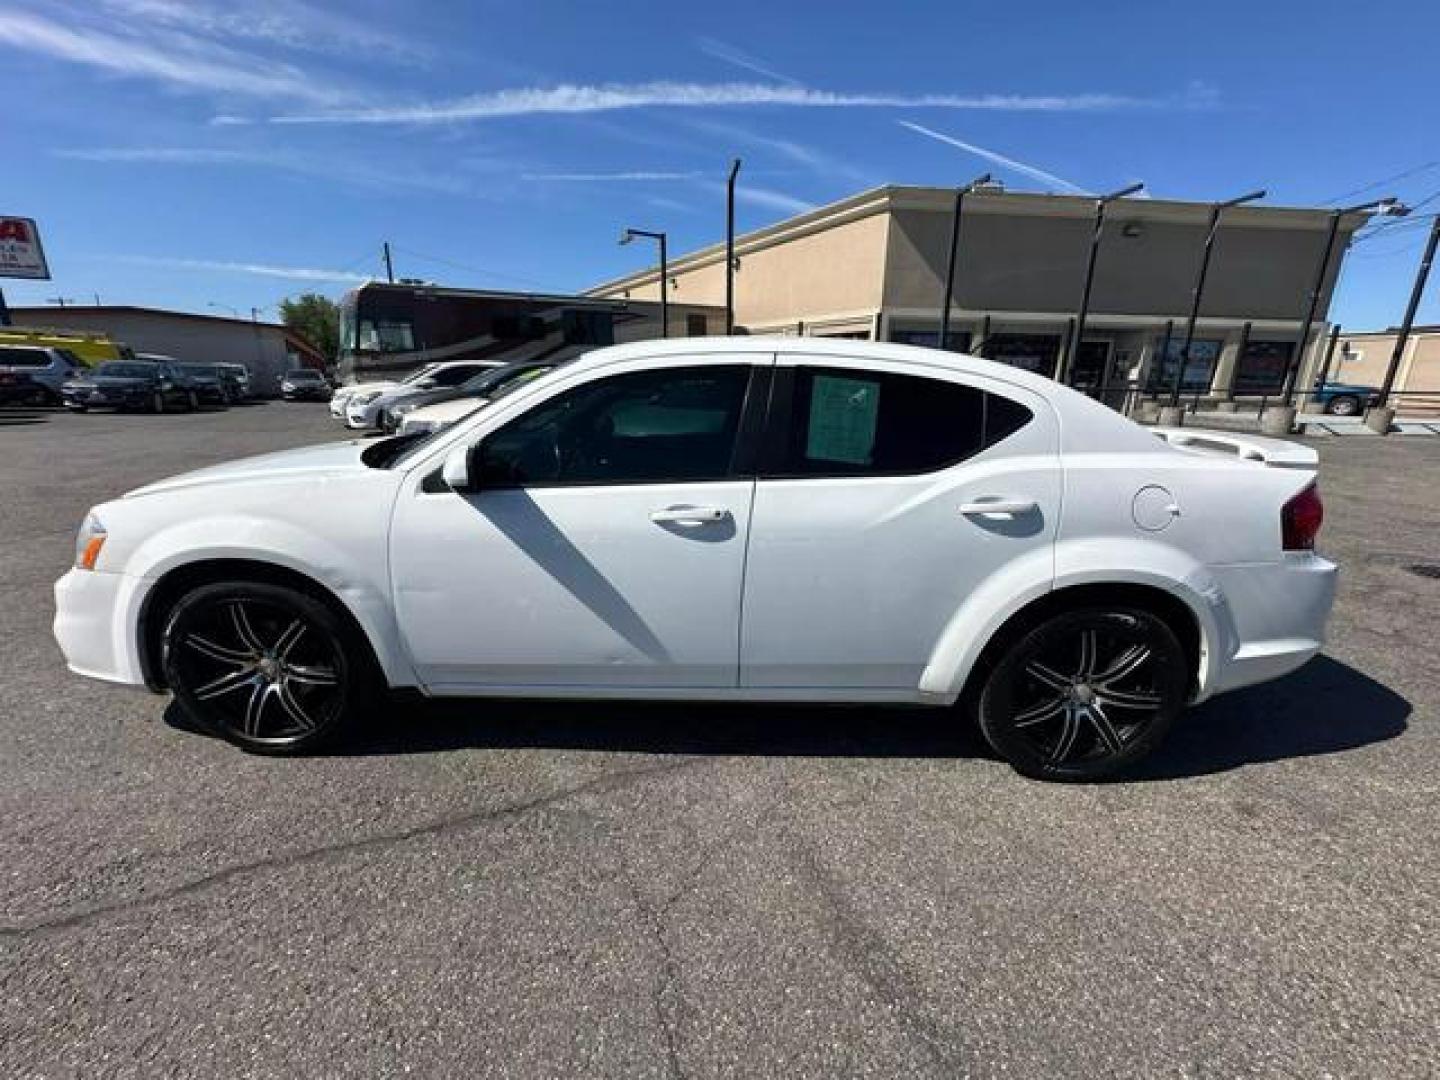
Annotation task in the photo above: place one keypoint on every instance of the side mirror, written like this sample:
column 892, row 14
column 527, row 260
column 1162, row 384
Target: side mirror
column 427, row 384
column 456, row 470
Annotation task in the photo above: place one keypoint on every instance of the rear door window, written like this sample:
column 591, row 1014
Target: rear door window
column 34, row 358
column 853, row 422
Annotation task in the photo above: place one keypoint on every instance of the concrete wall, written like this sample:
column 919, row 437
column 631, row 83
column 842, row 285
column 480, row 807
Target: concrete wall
column 1027, row 262
column 837, row 272
column 1364, row 358
column 259, row 346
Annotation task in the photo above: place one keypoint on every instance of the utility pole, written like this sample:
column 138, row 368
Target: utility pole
column 389, row 266
column 1067, row 360
column 949, row 296
column 730, row 247
column 1176, row 415
column 1379, row 417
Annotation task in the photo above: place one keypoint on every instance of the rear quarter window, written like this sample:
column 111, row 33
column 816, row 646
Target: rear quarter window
column 13, row 357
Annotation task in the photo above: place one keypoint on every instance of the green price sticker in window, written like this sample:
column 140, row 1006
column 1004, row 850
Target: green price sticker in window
column 843, row 414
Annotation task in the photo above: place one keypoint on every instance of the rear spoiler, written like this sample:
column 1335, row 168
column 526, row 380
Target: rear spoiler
column 1274, row 452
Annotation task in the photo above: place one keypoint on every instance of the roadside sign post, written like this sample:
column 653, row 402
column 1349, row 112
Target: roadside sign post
column 21, row 255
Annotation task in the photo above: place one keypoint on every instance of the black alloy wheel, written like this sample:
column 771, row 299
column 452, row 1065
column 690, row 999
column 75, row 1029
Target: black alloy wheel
column 1085, row 694
column 268, row 668
column 1343, row 405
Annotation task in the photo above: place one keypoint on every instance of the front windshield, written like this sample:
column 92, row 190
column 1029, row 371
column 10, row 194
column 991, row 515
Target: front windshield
column 303, row 375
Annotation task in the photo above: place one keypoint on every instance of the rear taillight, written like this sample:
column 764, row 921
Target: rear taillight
column 1300, row 520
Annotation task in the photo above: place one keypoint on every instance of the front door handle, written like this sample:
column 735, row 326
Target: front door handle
column 689, row 515
column 989, row 505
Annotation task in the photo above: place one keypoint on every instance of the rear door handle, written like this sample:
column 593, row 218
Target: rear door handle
column 689, row 515
column 999, row 506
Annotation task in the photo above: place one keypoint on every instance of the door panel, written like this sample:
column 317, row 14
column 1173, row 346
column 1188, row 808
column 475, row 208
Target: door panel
column 606, row 546
column 573, row 586
column 851, row 580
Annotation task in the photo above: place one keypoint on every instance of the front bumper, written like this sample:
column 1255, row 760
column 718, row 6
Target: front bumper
column 362, row 416
column 94, row 625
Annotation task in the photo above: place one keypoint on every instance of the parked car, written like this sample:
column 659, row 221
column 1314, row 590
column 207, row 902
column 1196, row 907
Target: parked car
column 206, row 380
column 236, row 378
column 732, row 519
column 304, row 384
column 341, row 397
column 1344, row 399
column 429, row 410
column 365, row 409
column 45, row 370
column 130, row 384
column 17, row 389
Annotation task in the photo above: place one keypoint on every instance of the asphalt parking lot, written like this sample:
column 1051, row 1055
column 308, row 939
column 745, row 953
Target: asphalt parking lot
column 560, row 890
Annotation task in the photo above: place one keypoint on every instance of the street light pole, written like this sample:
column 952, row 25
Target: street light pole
column 949, row 296
column 1382, row 411
column 629, row 235
column 1077, row 335
column 730, row 246
column 1389, row 205
column 1199, row 288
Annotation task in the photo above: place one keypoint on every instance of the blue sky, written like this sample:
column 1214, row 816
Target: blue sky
column 190, row 153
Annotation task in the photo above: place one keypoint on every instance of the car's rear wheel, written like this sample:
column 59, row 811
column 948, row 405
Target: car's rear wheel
column 1085, row 694
column 268, row 668
column 1343, row 405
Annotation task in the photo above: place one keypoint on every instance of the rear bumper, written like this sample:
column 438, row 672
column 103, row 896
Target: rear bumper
column 1276, row 618
column 94, row 626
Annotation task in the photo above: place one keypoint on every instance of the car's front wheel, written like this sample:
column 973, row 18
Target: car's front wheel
column 266, row 667
column 1085, row 694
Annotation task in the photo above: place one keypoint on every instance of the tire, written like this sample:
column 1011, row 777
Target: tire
column 1084, row 695
column 270, row 669
column 192, row 401
column 157, row 403
column 1343, row 405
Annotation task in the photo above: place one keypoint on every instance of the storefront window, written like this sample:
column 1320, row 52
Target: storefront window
column 1032, row 352
column 1262, row 367
column 1199, row 370
column 930, row 339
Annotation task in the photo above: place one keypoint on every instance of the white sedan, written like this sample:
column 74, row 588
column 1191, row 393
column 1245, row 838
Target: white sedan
column 740, row 519
column 366, row 407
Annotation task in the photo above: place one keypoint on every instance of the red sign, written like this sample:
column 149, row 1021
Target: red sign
column 20, row 252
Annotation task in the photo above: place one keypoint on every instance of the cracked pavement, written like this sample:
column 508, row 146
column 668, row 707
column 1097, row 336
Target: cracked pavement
column 518, row 890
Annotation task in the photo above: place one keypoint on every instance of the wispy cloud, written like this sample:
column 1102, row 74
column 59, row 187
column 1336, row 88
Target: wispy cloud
column 613, row 177
column 291, row 273
column 719, row 50
column 804, row 154
column 289, row 24
column 1032, row 171
column 768, row 198
column 332, row 169
column 176, row 59
column 571, row 98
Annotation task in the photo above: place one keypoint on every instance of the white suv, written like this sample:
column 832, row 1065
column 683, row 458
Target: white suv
column 735, row 519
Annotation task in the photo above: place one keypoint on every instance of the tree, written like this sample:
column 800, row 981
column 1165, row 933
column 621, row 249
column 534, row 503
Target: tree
column 315, row 317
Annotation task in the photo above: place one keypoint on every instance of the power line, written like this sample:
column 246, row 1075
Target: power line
column 1382, row 183
column 469, row 269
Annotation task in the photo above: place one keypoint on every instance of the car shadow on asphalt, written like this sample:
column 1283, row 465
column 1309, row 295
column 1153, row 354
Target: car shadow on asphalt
column 16, row 419
column 1324, row 708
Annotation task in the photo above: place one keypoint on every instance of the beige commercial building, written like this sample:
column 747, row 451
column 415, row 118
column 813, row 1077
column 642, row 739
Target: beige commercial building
column 266, row 349
column 1363, row 359
column 873, row 266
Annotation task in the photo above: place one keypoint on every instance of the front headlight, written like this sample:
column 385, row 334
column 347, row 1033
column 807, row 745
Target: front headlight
column 88, row 542
column 365, row 398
